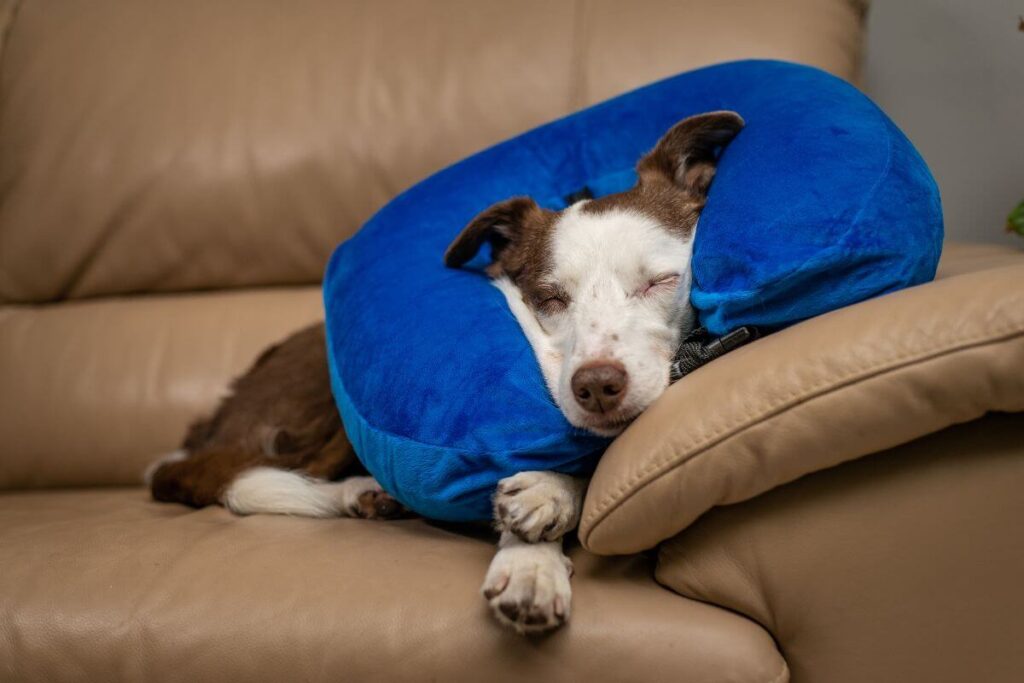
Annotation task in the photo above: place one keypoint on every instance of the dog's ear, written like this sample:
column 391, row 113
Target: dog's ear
column 501, row 225
column 688, row 153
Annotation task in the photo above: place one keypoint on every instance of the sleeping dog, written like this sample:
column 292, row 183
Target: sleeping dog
column 601, row 290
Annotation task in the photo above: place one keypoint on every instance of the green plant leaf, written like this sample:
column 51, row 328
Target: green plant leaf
column 1015, row 221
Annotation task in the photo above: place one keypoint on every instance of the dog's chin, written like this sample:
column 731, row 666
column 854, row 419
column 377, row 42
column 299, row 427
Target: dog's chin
column 605, row 425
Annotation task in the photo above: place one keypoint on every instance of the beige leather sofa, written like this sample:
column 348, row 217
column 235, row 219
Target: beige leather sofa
column 840, row 502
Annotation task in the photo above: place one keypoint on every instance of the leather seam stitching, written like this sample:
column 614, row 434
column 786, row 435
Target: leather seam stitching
column 659, row 467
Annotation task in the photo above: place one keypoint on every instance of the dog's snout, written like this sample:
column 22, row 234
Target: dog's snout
column 600, row 387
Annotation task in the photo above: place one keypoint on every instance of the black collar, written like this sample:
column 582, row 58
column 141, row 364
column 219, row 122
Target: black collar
column 699, row 347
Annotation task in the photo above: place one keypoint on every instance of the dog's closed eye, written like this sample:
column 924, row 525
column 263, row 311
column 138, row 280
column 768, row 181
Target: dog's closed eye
column 552, row 305
column 551, row 299
column 666, row 282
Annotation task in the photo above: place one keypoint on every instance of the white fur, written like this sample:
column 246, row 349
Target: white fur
column 604, row 262
column 539, row 506
column 529, row 582
column 549, row 357
column 173, row 456
column 265, row 490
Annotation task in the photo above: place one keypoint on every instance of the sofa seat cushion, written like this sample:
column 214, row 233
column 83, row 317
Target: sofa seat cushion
column 106, row 585
column 835, row 388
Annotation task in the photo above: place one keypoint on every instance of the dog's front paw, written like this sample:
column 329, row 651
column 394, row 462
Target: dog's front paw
column 538, row 506
column 527, row 587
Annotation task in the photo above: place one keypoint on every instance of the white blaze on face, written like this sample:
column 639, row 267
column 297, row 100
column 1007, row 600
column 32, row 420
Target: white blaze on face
column 627, row 282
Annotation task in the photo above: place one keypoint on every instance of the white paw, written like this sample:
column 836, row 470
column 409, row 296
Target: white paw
column 538, row 506
column 527, row 587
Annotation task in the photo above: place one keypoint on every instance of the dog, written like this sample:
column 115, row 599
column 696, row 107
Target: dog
column 601, row 291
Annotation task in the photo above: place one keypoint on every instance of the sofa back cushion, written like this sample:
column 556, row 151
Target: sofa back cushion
column 153, row 146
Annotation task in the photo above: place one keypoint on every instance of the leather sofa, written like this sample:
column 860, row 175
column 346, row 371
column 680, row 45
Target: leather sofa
column 837, row 502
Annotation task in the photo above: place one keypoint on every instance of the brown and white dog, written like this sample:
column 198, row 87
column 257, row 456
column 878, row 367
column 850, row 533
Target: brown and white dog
column 601, row 290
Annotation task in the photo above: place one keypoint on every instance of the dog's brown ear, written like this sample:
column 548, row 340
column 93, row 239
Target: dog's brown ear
column 687, row 154
column 501, row 225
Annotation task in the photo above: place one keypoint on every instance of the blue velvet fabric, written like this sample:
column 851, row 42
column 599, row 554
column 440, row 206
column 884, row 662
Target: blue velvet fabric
column 818, row 203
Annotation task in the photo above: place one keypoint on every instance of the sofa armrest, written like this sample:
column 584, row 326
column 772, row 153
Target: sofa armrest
column 903, row 566
column 831, row 389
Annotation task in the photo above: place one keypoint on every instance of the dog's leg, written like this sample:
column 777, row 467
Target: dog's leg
column 266, row 490
column 527, row 585
column 539, row 506
column 246, row 485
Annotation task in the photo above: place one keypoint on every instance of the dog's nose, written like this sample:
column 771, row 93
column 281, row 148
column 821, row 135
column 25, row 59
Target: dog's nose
column 599, row 387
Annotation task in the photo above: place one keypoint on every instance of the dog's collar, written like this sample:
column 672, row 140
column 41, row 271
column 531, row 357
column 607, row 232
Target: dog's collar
column 699, row 348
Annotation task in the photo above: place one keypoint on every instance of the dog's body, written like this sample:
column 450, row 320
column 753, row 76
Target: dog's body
column 273, row 445
column 601, row 290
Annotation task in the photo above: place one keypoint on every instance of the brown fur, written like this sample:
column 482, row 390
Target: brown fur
column 280, row 413
column 655, row 197
column 685, row 155
column 519, row 232
column 675, row 176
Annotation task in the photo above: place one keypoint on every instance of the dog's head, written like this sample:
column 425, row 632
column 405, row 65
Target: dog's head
column 608, row 279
